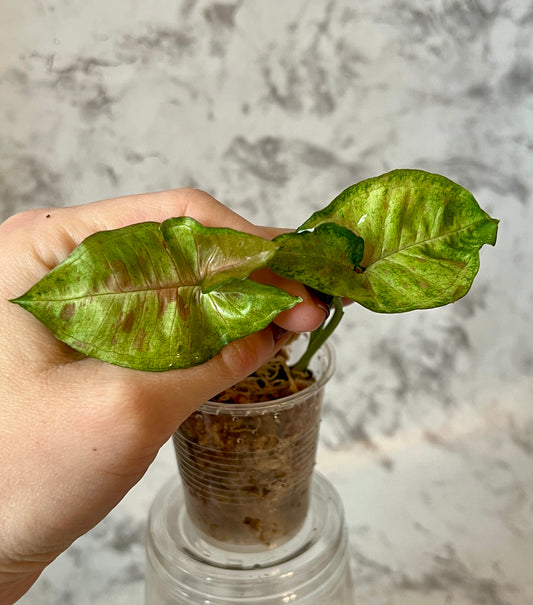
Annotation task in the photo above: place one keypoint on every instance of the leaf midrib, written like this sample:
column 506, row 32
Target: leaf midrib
column 117, row 293
column 425, row 241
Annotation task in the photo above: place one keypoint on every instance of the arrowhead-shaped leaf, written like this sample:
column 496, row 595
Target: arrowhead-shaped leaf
column 158, row 296
column 422, row 235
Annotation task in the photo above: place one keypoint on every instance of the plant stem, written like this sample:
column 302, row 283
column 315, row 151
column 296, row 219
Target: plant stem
column 319, row 336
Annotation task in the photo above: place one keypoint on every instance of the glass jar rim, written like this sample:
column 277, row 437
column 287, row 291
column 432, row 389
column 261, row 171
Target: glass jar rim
column 248, row 409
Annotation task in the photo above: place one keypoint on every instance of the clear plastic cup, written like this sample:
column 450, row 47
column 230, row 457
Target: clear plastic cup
column 186, row 568
column 246, row 468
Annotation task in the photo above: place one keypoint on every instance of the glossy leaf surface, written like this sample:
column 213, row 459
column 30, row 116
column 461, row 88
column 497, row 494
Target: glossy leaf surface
column 422, row 235
column 158, row 296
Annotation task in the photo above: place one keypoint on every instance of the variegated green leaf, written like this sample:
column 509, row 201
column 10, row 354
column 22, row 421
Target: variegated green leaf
column 422, row 235
column 158, row 296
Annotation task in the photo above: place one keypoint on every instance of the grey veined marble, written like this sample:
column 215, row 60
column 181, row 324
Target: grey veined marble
column 275, row 107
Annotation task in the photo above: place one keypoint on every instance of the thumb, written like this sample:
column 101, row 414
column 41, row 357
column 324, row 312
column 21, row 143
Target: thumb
column 146, row 408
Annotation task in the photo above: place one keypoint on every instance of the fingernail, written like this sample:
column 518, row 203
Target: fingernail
column 325, row 307
column 321, row 300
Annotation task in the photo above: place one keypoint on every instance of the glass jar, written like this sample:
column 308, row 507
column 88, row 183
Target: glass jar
column 185, row 568
column 246, row 468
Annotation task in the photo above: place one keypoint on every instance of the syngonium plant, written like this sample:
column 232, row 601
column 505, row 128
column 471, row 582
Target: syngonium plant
column 160, row 296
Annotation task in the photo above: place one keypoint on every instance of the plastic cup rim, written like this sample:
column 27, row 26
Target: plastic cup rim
column 249, row 409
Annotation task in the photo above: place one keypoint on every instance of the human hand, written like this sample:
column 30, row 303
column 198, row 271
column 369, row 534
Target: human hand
column 76, row 433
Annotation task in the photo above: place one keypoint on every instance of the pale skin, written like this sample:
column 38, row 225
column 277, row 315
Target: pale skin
column 77, row 434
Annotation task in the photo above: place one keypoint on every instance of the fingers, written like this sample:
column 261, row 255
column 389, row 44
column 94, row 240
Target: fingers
column 305, row 317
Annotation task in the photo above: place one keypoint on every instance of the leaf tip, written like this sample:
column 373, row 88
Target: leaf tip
column 495, row 223
column 23, row 301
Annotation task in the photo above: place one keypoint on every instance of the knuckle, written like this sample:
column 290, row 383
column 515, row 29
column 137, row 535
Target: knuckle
column 22, row 220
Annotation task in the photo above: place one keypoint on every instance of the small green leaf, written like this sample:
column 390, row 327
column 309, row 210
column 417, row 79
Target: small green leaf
column 324, row 257
column 158, row 297
column 422, row 235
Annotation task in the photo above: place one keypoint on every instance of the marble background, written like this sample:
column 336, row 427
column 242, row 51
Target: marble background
column 274, row 108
